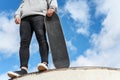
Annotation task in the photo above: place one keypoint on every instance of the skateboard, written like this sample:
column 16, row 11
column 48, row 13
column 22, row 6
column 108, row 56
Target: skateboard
column 56, row 41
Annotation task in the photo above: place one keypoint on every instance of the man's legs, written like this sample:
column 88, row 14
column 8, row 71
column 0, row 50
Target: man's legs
column 25, row 38
column 26, row 32
column 38, row 25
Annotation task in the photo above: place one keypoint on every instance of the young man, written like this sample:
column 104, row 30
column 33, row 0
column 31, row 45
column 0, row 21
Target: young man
column 30, row 15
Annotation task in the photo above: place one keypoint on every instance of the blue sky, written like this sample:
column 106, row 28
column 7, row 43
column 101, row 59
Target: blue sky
column 91, row 29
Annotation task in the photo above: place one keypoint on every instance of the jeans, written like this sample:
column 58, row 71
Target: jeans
column 29, row 25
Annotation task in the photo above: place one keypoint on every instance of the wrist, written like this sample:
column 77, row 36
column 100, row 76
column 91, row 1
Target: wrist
column 17, row 16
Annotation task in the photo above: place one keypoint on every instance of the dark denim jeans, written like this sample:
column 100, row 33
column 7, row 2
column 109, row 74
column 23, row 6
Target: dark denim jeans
column 29, row 25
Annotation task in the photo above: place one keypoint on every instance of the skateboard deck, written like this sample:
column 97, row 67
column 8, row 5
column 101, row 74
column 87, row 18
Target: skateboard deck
column 56, row 41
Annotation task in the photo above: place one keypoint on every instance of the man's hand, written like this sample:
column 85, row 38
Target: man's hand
column 17, row 20
column 50, row 12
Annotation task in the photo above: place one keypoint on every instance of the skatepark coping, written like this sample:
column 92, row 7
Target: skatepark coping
column 75, row 73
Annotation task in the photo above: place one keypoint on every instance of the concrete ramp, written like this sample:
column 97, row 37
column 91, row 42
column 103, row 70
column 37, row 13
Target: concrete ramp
column 81, row 73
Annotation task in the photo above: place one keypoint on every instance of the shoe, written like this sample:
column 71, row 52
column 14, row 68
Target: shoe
column 42, row 67
column 17, row 73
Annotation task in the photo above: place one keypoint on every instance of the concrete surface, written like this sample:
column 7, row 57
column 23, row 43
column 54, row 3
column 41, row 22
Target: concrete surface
column 81, row 73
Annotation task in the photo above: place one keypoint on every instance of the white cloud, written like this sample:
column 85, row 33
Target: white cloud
column 106, row 48
column 8, row 34
column 71, row 46
column 4, row 76
column 79, row 12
